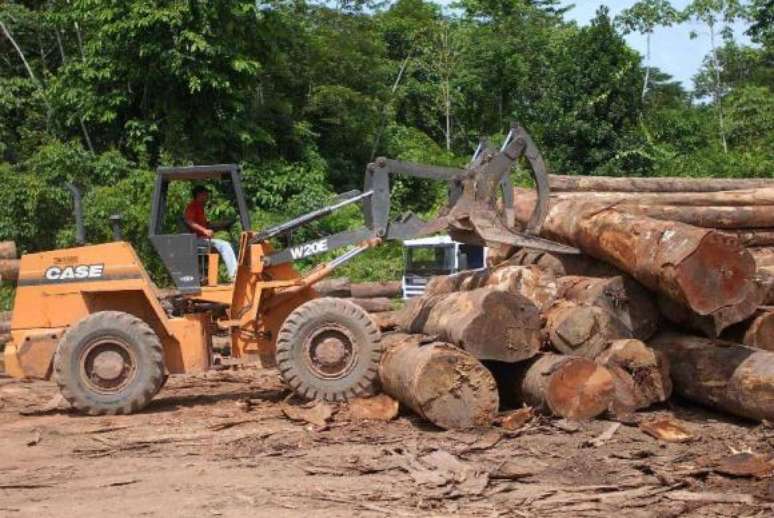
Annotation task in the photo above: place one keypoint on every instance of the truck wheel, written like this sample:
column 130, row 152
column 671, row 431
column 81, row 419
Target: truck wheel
column 109, row 363
column 329, row 349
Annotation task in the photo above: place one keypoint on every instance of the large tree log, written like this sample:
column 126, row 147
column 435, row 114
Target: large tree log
column 581, row 329
column 710, row 273
column 369, row 290
column 9, row 269
column 8, row 250
column 337, row 287
column 756, row 332
column 621, row 296
column 640, row 375
column 376, row 305
column 741, row 198
column 764, row 256
column 561, row 265
column 565, row 386
column 722, row 375
column 530, row 281
column 655, row 184
column 441, row 383
column 490, row 324
column 443, row 284
column 755, row 236
column 709, row 217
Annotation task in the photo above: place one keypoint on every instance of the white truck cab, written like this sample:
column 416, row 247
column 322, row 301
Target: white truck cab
column 427, row 257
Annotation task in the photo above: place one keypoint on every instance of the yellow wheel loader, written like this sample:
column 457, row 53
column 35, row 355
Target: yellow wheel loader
column 91, row 318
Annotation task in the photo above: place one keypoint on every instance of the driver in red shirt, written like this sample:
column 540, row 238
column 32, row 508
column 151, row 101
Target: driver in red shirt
column 196, row 219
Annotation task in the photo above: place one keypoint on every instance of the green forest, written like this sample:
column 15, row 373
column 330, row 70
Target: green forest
column 304, row 94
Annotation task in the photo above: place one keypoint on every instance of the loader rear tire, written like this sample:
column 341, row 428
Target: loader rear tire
column 109, row 363
column 329, row 349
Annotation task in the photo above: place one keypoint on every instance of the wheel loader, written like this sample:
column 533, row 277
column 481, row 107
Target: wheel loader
column 91, row 318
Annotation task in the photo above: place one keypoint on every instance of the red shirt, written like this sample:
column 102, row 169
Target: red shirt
column 194, row 212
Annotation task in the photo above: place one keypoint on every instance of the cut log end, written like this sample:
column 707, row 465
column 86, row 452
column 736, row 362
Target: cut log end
column 579, row 390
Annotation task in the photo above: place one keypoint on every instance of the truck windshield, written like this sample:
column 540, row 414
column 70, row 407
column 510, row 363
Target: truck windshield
column 430, row 260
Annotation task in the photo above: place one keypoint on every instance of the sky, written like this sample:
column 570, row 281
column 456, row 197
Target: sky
column 672, row 49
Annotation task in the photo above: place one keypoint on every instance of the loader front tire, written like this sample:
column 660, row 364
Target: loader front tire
column 329, row 349
column 109, row 363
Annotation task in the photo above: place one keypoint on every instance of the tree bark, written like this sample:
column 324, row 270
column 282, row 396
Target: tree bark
column 640, row 375
column 441, row 383
column 755, row 236
column 710, row 273
column 375, row 305
column 561, row 183
column 561, row 265
column 9, row 269
column 764, row 256
column 736, row 198
column 368, row 290
column 756, row 332
column 565, row 386
column 529, row 281
column 337, row 287
column 487, row 323
column 582, row 330
column 622, row 297
column 8, row 250
column 710, row 217
column 443, row 284
column 721, row 375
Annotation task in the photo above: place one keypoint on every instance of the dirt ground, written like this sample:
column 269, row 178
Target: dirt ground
column 220, row 445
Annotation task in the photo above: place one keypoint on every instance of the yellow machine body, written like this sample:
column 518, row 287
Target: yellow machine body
column 57, row 289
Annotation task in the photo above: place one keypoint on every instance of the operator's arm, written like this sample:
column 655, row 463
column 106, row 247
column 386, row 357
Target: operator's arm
column 200, row 229
column 196, row 226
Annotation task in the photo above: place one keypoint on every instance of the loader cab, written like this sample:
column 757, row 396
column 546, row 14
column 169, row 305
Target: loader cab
column 427, row 257
column 180, row 249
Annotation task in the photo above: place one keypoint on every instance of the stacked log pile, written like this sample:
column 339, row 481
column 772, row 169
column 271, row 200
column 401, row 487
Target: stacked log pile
column 673, row 291
column 374, row 297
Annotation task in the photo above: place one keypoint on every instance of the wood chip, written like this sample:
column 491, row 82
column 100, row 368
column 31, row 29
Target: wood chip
column 746, row 465
column 517, row 419
column 604, row 436
column 318, row 414
column 667, row 429
column 726, row 498
column 378, row 408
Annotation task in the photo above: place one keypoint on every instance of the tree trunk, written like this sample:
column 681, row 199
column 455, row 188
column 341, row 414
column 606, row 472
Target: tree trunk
column 710, row 273
column 582, row 330
column 756, row 332
column 9, row 269
column 764, row 256
column 727, row 218
column 561, row 265
column 563, row 183
column 722, row 375
column 736, row 198
column 8, row 250
column 755, row 236
column 441, row 383
column 375, row 305
column 368, row 290
column 529, row 281
column 622, row 297
column 338, row 287
column 640, row 375
column 489, row 324
column 565, row 386
column 443, row 284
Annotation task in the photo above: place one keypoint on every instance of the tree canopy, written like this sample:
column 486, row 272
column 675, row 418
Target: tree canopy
column 304, row 94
